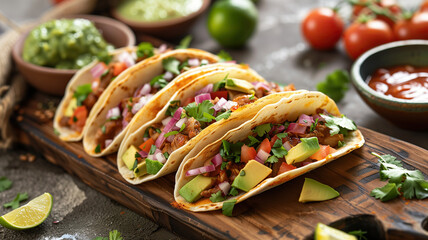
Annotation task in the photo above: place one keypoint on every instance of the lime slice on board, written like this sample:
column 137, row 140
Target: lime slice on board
column 324, row 232
column 29, row 215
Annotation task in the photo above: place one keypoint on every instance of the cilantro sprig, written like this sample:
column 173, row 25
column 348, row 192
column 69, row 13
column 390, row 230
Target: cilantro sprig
column 82, row 93
column 335, row 85
column 171, row 65
column 231, row 151
column 14, row 204
column 185, row 42
column 340, row 124
column 113, row 235
column 5, row 184
column 145, row 49
column 408, row 183
column 224, row 56
column 200, row 111
column 263, row 129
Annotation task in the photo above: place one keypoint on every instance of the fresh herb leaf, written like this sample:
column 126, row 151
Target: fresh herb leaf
column 135, row 164
column 173, row 106
column 159, row 82
column 224, row 56
column 74, row 119
column 336, row 124
column 278, row 150
column 341, row 143
column 137, row 155
column 98, row 148
column 114, row 235
column 103, row 129
column 272, row 159
column 385, row 193
column 263, row 129
column 82, row 93
column 251, row 97
column 145, row 50
column 171, row 133
column 182, row 127
column 227, row 208
column 313, row 125
column 152, row 149
column 57, row 133
column 224, row 115
column 209, row 116
column 184, row 65
column 335, row 85
column 359, row 234
column 197, row 110
column 15, row 202
column 281, row 136
column 171, row 65
column 114, row 118
column 217, row 197
column 105, row 73
column 5, row 184
column 233, row 191
column 231, row 151
column 166, row 155
column 223, row 165
column 185, row 42
column 253, row 141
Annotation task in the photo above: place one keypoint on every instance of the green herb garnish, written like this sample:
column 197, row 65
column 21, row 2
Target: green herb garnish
column 217, row 197
column 14, row 204
column 227, row 208
column 145, row 50
column 335, row 85
column 185, row 42
column 263, row 129
column 5, row 184
column 82, row 93
column 171, row 65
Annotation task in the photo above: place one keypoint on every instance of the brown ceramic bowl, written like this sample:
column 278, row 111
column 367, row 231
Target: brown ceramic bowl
column 170, row 29
column 54, row 81
column 404, row 113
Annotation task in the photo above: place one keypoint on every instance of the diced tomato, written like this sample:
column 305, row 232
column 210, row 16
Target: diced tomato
column 285, row 167
column 234, row 108
column 145, row 146
column 247, row 153
column 219, row 94
column 273, row 140
column 323, row 152
column 118, row 68
column 79, row 117
column 265, row 146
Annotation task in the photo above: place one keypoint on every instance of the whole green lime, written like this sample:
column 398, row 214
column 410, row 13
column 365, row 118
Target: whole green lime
column 232, row 22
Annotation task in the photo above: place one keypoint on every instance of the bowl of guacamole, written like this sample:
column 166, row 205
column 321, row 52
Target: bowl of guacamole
column 51, row 53
column 167, row 19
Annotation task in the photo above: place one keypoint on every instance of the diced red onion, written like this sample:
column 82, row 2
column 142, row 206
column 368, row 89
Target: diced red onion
column 98, row 70
column 280, row 128
column 114, row 112
column 262, row 156
column 207, row 89
column 168, row 76
column 200, row 170
column 95, row 85
column 175, row 128
column 124, row 122
column 142, row 91
column 107, row 142
column 170, row 138
column 180, row 122
column 193, row 62
column 177, row 114
column 160, row 157
column 202, row 97
column 305, row 120
column 217, row 160
column 258, row 85
column 168, row 127
column 126, row 58
column 162, row 48
column 143, row 154
column 317, row 116
column 224, row 187
column 141, row 103
column 296, row 128
column 229, row 104
column 166, row 121
column 219, row 105
column 287, row 145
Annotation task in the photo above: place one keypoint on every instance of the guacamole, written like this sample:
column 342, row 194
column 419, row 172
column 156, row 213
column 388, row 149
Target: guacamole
column 65, row 44
column 152, row 11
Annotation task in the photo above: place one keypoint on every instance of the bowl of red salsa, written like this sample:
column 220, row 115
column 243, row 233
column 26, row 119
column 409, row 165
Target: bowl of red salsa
column 393, row 80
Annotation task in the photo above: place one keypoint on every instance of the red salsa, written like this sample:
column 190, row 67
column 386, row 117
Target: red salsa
column 405, row 82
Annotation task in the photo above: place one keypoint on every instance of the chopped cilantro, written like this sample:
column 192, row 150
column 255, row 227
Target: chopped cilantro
column 251, row 97
column 223, row 165
column 359, row 234
column 114, row 235
column 15, row 202
column 185, row 42
column 137, row 155
column 171, row 65
column 145, row 50
column 231, row 151
column 5, row 184
column 386, row 193
column 224, row 115
column 253, row 141
column 209, row 116
column 281, row 135
column 74, row 119
column 227, row 208
column 313, row 125
column 184, row 65
column 278, row 150
column 224, row 56
column 173, row 106
column 197, row 110
column 341, row 143
column 339, row 124
column 166, row 155
column 103, row 129
column 82, row 93
column 114, row 118
column 263, row 129
column 98, row 148
column 159, row 81
column 272, row 159
column 170, row 134
column 335, row 85
column 105, row 73
column 152, row 149
column 217, row 197
column 233, row 191
column 135, row 164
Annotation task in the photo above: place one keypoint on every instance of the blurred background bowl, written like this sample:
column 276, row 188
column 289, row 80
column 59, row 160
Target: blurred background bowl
column 53, row 81
column 408, row 114
column 170, row 29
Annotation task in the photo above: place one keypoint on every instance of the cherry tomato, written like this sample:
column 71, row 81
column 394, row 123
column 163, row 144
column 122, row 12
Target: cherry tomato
column 79, row 117
column 247, row 153
column 424, row 6
column 219, row 94
column 403, row 30
column 360, row 37
column 419, row 25
column 363, row 7
column 322, row 28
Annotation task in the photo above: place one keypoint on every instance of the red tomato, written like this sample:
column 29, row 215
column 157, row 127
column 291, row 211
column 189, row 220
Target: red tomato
column 360, row 37
column 247, row 153
column 285, row 167
column 145, row 146
column 362, row 7
column 118, row 68
column 322, row 28
column 265, row 146
column 323, row 152
column 219, row 94
column 79, row 117
column 419, row 25
column 403, row 30
column 424, row 6
column 273, row 140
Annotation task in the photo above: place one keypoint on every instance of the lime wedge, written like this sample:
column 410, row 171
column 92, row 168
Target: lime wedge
column 324, row 232
column 29, row 215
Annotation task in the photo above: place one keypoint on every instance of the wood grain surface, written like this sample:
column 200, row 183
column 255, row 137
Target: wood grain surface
column 275, row 214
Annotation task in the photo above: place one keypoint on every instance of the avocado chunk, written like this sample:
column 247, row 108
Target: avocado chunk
column 69, row 111
column 239, row 85
column 153, row 166
column 191, row 191
column 303, row 150
column 324, row 232
column 140, row 170
column 129, row 157
column 252, row 174
column 315, row 191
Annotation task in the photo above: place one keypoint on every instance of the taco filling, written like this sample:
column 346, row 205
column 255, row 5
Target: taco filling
column 86, row 95
column 186, row 119
column 270, row 150
column 120, row 116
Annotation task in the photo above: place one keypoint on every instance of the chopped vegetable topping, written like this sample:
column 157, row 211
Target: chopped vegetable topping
column 82, row 93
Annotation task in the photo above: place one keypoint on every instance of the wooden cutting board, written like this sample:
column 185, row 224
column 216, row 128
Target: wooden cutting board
column 273, row 214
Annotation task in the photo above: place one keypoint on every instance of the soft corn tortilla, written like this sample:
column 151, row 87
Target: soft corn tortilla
column 83, row 76
column 137, row 76
column 289, row 108
column 209, row 134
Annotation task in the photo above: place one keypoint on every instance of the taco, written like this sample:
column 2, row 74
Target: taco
column 86, row 88
column 284, row 140
column 145, row 89
column 199, row 113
